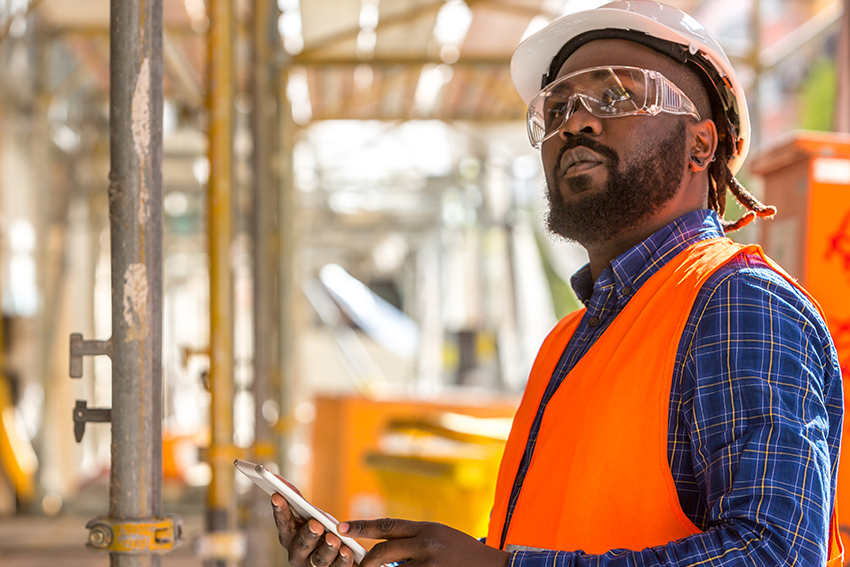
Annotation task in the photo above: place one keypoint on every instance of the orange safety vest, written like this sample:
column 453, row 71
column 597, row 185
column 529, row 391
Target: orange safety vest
column 600, row 478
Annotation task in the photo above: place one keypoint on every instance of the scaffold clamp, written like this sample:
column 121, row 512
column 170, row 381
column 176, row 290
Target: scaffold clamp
column 135, row 537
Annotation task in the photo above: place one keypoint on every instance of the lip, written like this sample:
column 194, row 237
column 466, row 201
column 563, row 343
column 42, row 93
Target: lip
column 579, row 160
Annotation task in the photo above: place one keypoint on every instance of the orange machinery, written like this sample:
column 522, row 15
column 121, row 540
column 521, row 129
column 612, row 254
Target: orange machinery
column 807, row 177
column 348, row 428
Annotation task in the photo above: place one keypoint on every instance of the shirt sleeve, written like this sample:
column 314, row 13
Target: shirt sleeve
column 763, row 414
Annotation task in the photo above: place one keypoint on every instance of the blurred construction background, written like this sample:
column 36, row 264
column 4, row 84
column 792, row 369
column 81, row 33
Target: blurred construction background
column 338, row 242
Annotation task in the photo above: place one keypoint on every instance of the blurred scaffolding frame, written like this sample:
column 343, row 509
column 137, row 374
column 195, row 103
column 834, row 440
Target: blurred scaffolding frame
column 480, row 91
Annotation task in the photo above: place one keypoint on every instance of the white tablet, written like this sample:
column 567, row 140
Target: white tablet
column 266, row 480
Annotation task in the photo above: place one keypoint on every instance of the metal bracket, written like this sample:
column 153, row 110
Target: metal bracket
column 134, row 537
column 81, row 348
column 84, row 414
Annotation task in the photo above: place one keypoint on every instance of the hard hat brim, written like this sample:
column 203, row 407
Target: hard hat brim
column 531, row 60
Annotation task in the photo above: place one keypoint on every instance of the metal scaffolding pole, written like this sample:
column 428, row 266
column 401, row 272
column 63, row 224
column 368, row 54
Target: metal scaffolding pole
column 135, row 212
column 221, row 499
column 262, row 544
column 286, row 305
column 134, row 533
column 264, row 220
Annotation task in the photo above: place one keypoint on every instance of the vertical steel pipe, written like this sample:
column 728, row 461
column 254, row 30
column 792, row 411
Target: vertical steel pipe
column 262, row 545
column 221, row 501
column 135, row 212
column 286, row 256
column 264, row 212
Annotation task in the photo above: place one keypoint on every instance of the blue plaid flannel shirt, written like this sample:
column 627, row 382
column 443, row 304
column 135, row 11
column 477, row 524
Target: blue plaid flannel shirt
column 756, row 410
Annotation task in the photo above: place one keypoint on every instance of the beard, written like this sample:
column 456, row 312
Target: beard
column 633, row 193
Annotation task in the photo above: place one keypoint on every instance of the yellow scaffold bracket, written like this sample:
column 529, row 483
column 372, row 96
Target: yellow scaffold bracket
column 134, row 537
column 222, row 453
column 264, row 450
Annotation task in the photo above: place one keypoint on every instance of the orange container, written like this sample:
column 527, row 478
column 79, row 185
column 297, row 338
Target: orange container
column 807, row 177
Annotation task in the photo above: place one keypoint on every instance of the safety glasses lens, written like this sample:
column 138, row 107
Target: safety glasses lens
column 605, row 92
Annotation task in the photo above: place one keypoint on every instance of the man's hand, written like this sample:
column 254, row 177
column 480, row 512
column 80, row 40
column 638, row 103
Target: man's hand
column 421, row 544
column 307, row 543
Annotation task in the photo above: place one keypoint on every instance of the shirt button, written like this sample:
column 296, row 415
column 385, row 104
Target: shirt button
column 627, row 290
column 519, row 479
column 593, row 321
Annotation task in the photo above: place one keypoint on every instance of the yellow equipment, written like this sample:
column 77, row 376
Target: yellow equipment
column 442, row 469
column 16, row 455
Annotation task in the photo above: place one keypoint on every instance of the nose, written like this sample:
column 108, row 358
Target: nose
column 580, row 121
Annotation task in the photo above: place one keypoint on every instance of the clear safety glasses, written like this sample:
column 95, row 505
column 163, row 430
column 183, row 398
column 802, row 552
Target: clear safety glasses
column 606, row 92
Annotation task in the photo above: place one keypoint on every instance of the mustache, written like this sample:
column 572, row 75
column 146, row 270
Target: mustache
column 590, row 144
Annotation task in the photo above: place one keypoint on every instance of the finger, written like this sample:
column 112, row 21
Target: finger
column 304, row 543
column 326, row 551
column 345, row 557
column 284, row 521
column 295, row 488
column 279, row 502
column 385, row 528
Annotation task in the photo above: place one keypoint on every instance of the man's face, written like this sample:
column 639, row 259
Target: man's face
column 606, row 176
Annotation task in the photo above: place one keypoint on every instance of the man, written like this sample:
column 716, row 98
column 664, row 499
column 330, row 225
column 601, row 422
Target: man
column 691, row 414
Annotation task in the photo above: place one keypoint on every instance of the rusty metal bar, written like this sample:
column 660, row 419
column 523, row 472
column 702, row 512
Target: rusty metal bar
column 262, row 545
column 221, row 499
column 135, row 212
column 286, row 256
column 264, row 218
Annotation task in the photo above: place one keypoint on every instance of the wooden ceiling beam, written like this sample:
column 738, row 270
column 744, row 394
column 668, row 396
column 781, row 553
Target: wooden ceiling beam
column 436, row 115
column 512, row 8
column 387, row 22
column 413, row 60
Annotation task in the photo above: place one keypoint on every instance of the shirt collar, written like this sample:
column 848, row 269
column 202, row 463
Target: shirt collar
column 630, row 270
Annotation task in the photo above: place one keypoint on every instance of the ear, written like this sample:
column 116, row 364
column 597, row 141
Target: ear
column 702, row 143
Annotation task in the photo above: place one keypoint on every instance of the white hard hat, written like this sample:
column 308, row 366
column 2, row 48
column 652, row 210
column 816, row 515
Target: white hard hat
column 654, row 21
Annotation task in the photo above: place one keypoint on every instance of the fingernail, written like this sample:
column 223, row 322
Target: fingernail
column 342, row 528
column 277, row 501
column 313, row 529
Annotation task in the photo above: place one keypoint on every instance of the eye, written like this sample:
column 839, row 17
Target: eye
column 613, row 95
column 556, row 112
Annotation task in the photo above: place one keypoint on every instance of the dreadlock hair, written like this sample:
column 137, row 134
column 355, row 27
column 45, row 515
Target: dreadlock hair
column 721, row 179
